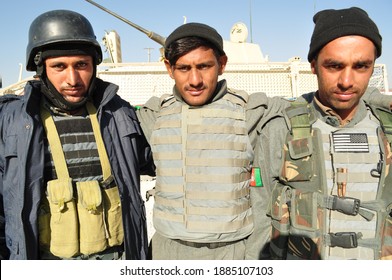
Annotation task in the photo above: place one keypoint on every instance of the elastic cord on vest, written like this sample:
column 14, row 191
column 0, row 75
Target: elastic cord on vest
column 57, row 150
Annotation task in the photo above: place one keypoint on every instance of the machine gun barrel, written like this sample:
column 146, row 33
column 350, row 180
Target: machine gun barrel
column 156, row 37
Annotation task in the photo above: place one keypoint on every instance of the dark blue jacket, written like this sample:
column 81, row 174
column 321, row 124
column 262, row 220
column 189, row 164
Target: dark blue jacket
column 22, row 168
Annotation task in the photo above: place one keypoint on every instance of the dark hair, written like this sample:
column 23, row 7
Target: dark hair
column 185, row 45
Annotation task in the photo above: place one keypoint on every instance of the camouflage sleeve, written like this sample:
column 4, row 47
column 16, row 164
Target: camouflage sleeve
column 374, row 97
column 147, row 115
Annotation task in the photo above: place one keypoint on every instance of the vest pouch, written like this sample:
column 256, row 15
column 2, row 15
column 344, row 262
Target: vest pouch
column 64, row 242
column 280, row 217
column 44, row 224
column 113, row 216
column 305, row 241
column 304, row 210
column 92, row 233
column 386, row 243
column 280, row 195
column 298, row 164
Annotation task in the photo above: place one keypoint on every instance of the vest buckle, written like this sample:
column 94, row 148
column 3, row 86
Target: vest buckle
column 344, row 239
column 346, row 205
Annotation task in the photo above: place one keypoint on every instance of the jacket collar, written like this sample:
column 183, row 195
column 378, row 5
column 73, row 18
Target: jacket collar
column 328, row 116
column 105, row 91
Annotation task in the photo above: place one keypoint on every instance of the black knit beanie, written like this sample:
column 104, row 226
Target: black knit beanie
column 194, row 29
column 332, row 24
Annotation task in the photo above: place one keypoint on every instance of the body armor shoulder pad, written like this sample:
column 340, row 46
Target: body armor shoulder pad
column 241, row 95
column 166, row 98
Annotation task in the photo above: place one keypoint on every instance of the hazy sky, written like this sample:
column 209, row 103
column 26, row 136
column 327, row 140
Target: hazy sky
column 282, row 28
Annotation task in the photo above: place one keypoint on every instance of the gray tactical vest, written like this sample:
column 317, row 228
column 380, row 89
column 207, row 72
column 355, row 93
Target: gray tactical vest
column 203, row 157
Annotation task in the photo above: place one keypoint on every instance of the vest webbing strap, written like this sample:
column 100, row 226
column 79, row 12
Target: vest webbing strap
column 193, row 210
column 172, row 139
column 217, row 129
column 103, row 156
column 203, row 195
column 218, row 113
column 215, row 178
column 168, row 155
column 57, row 149
column 54, row 143
column 167, row 124
column 220, row 162
column 170, row 188
column 347, row 205
column 216, row 145
column 215, row 226
column 355, row 177
column 235, row 210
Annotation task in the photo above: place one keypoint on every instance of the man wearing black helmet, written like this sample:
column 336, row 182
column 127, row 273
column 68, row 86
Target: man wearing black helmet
column 71, row 154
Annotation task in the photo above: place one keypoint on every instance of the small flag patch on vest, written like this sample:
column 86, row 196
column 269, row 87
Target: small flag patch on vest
column 255, row 180
column 350, row 142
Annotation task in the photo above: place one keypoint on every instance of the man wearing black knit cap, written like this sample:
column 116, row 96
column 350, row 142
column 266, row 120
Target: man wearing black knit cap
column 329, row 157
column 332, row 24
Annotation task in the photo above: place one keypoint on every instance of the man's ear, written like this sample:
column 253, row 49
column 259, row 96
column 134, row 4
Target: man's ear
column 313, row 66
column 169, row 68
column 222, row 62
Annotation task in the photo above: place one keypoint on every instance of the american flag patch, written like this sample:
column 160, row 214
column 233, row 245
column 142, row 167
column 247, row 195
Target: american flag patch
column 350, row 142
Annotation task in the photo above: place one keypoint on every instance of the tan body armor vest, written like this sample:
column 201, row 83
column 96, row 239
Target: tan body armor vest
column 203, row 158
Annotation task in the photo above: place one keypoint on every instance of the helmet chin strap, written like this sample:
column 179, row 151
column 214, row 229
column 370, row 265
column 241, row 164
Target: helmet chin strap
column 56, row 98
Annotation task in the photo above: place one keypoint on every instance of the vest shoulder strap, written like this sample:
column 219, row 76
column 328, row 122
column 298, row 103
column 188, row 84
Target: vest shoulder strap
column 54, row 143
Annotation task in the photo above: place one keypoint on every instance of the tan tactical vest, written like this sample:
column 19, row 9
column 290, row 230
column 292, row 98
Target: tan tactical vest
column 82, row 217
column 203, row 158
column 339, row 209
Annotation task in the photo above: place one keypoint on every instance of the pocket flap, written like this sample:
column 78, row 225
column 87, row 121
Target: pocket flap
column 300, row 148
column 60, row 191
column 89, row 195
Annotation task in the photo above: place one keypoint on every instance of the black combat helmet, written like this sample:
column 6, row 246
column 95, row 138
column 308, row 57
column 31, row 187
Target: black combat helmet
column 59, row 26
